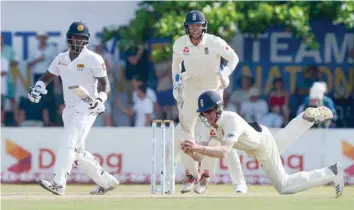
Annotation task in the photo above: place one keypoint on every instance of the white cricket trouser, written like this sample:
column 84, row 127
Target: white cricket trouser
column 232, row 161
column 189, row 123
column 269, row 158
column 76, row 128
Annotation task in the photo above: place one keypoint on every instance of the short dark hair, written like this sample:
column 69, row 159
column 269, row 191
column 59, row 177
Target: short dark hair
column 312, row 68
column 137, row 78
column 278, row 79
column 143, row 88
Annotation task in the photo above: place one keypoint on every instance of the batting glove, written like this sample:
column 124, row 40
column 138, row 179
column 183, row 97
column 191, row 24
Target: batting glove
column 35, row 92
column 97, row 106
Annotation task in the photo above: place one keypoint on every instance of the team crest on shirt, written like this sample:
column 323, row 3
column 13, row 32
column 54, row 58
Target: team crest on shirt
column 80, row 67
column 186, row 51
column 206, row 50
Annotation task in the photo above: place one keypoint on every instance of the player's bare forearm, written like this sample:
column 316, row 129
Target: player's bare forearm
column 104, row 84
column 197, row 157
column 148, row 120
column 128, row 111
column 47, row 77
column 212, row 151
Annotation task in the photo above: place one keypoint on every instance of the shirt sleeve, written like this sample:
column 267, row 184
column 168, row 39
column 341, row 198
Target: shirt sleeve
column 263, row 108
column 152, row 95
column 226, row 52
column 99, row 67
column 53, row 68
column 135, row 97
column 148, row 107
column 232, row 130
column 176, row 62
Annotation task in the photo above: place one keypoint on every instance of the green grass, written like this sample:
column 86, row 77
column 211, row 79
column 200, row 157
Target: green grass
column 137, row 197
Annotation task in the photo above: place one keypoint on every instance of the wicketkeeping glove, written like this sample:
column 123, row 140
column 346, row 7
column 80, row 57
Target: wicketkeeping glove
column 224, row 74
column 35, row 92
column 176, row 87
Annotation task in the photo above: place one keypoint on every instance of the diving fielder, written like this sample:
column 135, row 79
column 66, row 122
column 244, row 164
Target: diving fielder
column 257, row 141
column 77, row 66
column 201, row 62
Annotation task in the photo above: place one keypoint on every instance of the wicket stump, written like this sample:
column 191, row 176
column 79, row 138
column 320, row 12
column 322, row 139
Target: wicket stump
column 167, row 173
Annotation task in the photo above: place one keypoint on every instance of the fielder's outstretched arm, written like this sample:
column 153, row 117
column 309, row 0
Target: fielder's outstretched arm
column 219, row 151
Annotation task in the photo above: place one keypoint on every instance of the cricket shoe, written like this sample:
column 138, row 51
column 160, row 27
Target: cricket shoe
column 241, row 188
column 338, row 182
column 113, row 184
column 319, row 114
column 189, row 183
column 202, row 184
column 101, row 191
column 52, row 187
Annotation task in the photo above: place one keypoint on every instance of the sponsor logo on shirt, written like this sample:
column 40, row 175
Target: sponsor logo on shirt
column 62, row 64
column 206, row 50
column 212, row 133
column 186, row 51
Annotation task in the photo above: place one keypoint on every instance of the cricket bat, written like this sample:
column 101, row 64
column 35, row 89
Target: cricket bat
column 82, row 93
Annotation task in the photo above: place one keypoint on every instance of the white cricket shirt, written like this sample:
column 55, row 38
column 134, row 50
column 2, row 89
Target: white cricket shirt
column 202, row 62
column 253, row 111
column 81, row 71
column 234, row 128
column 141, row 108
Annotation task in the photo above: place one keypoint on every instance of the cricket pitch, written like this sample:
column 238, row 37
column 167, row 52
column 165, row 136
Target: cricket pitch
column 138, row 197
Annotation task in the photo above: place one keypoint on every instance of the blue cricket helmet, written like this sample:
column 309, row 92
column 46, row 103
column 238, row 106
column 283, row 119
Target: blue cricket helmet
column 195, row 17
column 209, row 100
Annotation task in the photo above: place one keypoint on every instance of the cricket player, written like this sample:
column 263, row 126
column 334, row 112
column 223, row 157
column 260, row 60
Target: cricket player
column 77, row 66
column 257, row 141
column 201, row 62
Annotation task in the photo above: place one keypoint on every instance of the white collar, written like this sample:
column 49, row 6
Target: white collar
column 83, row 52
column 202, row 42
column 220, row 120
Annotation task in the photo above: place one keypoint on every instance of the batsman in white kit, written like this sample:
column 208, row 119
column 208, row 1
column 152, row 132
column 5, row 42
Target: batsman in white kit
column 201, row 62
column 80, row 70
column 257, row 141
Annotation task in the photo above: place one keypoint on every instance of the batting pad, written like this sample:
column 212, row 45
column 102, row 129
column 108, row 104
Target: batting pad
column 88, row 164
